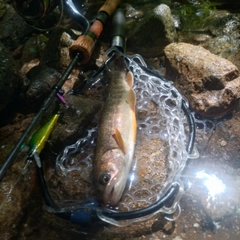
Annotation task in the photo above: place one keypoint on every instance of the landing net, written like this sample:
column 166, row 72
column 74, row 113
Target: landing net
column 160, row 152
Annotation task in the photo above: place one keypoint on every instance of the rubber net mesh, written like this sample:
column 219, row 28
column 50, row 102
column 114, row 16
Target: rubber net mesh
column 160, row 151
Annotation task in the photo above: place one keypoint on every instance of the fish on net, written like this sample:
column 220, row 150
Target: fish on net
column 160, row 153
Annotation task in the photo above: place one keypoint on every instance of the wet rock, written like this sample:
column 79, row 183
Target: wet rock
column 215, row 190
column 56, row 54
column 216, row 196
column 13, row 29
column 225, row 29
column 200, row 18
column 78, row 114
column 219, row 208
column 28, row 66
column 34, row 47
column 221, row 205
column 38, row 84
column 10, row 133
column 9, row 78
column 210, row 83
column 216, row 103
column 52, row 50
column 18, row 198
column 2, row 7
column 219, row 32
column 40, row 79
column 221, row 22
column 131, row 12
column 153, row 33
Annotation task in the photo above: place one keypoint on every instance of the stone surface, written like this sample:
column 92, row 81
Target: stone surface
column 38, row 85
column 217, row 103
column 2, row 7
column 17, row 191
column 56, row 53
column 22, row 214
column 54, row 58
column 9, row 78
column 219, row 33
column 13, row 29
column 210, row 83
column 34, row 47
column 158, row 28
column 78, row 114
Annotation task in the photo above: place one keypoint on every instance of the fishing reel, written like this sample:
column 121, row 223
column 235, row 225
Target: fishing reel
column 40, row 13
column 32, row 10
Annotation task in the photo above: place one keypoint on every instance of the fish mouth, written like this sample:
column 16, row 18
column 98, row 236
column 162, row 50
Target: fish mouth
column 111, row 194
column 113, row 197
column 110, row 199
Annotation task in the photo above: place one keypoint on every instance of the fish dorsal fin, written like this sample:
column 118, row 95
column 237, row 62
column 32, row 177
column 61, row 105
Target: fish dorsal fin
column 132, row 99
column 129, row 79
column 119, row 140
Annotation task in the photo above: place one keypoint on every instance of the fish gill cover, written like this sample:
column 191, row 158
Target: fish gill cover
column 160, row 151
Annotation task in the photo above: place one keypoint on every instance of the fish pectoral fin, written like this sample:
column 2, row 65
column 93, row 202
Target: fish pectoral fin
column 131, row 99
column 129, row 79
column 119, row 140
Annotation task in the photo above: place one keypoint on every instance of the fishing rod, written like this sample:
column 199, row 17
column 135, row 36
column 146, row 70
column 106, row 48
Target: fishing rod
column 90, row 212
column 80, row 52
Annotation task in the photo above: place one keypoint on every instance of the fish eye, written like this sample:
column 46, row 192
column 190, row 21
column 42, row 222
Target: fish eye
column 104, row 178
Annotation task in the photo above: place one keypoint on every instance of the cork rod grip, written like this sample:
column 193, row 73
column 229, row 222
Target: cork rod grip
column 109, row 6
column 85, row 43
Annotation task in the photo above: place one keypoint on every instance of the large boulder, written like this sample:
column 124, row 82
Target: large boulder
column 153, row 33
column 210, row 83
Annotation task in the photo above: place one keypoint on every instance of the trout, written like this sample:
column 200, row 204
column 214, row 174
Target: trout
column 116, row 135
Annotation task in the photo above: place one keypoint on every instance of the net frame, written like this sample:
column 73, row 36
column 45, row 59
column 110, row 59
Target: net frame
column 175, row 112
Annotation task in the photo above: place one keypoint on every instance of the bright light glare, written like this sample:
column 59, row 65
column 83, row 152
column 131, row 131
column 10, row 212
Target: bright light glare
column 213, row 184
column 132, row 176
